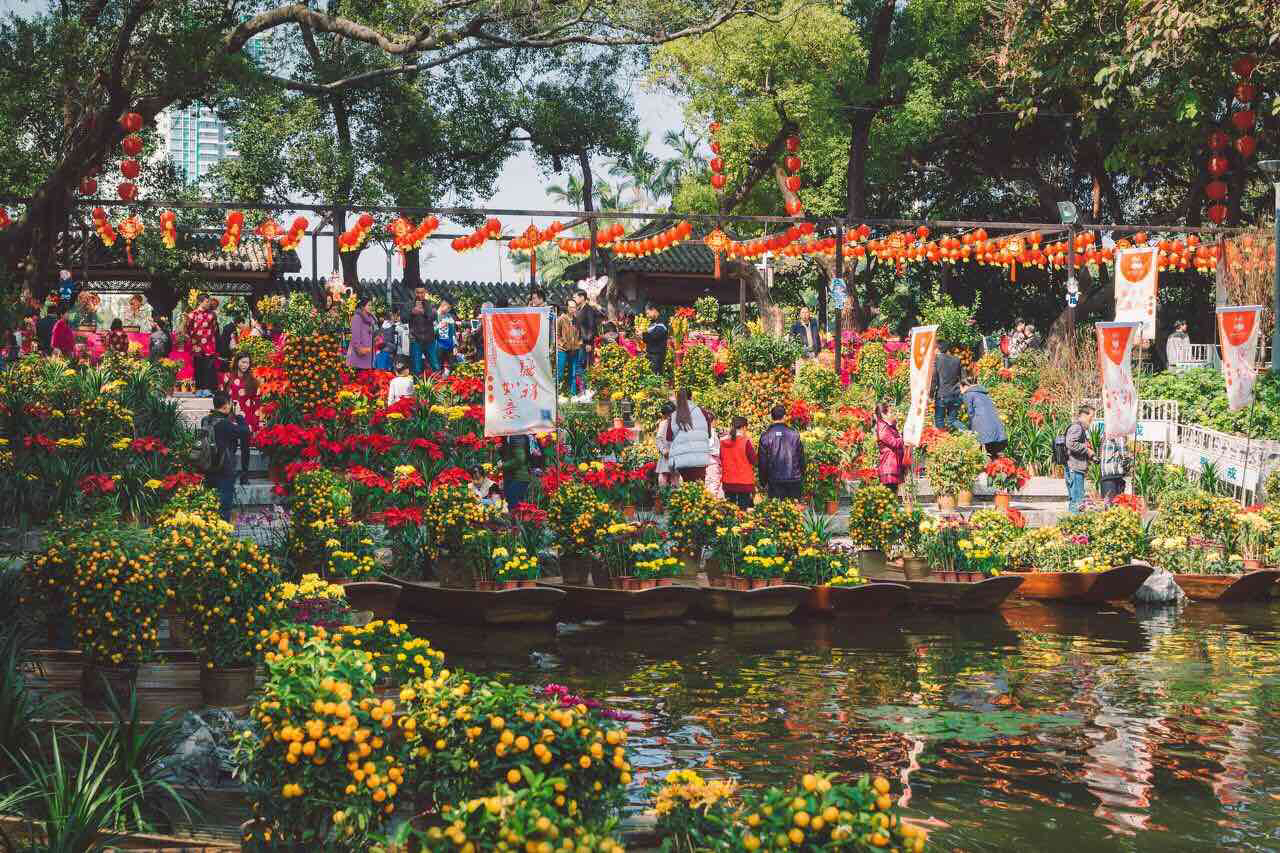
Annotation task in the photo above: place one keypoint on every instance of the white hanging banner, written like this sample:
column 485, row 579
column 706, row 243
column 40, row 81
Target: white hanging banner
column 1137, row 280
column 519, row 387
column 1119, row 397
column 1238, row 328
column 924, row 346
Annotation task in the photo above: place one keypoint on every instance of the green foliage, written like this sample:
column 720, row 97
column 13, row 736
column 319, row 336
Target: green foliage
column 817, row 384
column 957, row 324
column 694, row 369
column 1202, row 397
column 763, row 353
column 954, row 462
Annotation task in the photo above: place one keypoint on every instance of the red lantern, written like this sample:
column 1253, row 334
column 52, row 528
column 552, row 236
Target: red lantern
column 717, row 164
column 793, row 183
column 88, row 186
column 793, row 163
column 923, row 232
column 130, row 168
column 794, row 207
column 1246, row 92
column 493, row 226
column 793, row 144
column 1246, row 145
column 717, row 181
column 131, row 122
column 132, row 145
column 1216, row 190
column 1218, row 213
column 1218, row 140
column 1243, row 120
column 1243, row 67
column 127, row 190
column 1218, row 165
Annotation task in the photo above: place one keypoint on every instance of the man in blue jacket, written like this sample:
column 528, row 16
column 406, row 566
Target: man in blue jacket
column 781, row 458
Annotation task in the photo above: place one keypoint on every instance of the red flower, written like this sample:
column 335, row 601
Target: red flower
column 1035, row 417
column 182, row 478
column 429, row 447
column 613, row 437
column 375, row 442
column 148, row 444
column 718, row 368
column 930, row 436
column 1005, row 373
column 800, row 415
column 1133, row 502
column 324, row 413
column 1018, row 519
column 451, row 477
column 409, row 481
column 866, row 475
column 367, row 478
column 830, row 472
column 398, row 517
column 525, row 511
column 97, row 484
column 39, row 440
column 293, row 469
column 475, row 413
column 552, row 479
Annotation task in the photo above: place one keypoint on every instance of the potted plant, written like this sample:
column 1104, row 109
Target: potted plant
column 616, row 556
column 312, row 601
column 1006, row 478
column 909, row 547
column 654, row 563
column 576, row 514
column 762, row 561
column 693, row 518
column 953, row 463
column 724, row 556
column 941, row 541
column 1255, row 539
column 815, row 566
column 978, row 559
column 875, row 522
column 513, row 565
column 452, row 510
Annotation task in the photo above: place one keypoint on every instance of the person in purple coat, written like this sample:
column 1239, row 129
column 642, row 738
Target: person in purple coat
column 892, row 450
column 360, row 351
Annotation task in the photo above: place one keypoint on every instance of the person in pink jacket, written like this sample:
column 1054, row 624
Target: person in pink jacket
column 892, row 450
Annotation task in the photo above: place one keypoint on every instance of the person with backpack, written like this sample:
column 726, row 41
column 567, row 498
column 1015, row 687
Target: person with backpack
column 160, row 341
column 738, row 461
column 221, row 433
column 1076, row 453
column 689, row 431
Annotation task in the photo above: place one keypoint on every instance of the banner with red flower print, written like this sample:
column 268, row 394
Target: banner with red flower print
column 924, row 347
column 1238, row 328
column 1119, row 396
column 519, row 387
column 1137, row 280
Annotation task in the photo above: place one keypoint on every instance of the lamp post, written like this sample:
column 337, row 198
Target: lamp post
column 1272, row 168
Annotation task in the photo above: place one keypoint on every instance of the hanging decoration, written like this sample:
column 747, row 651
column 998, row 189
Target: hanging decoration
column 169, row 229
column 296, row 232
column 130, row 229
column 106, row 233
column 581, row 246
column 1243, row 119
column 407, row 237
column 718, row 242
column 793, row 163
column 718, row 179
column 130, row 168
column 354, row 238
column 270, row 231
column 88, row 186
column 230, row 241
column 131, row 122
column 127, row 190
column 531, row 239
column 491, row 230
column 660, row 242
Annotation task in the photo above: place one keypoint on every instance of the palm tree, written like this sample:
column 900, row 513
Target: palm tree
column 643, row 175
column 570, row 193
column 687, row 157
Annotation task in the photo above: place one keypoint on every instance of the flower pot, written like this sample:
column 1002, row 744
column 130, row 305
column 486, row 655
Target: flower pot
column 1002, row 501
column 663, row 582
column 832, row 507
column 971, row 577
column 574, row 569
column 758, row 583
column 946, row 575
column 871, row 561
column 713, row 568
column 648, row 583
column 915, row 568
column 509, row 585
column 453, row 572
column 946, row 503
column 226, row 686
column 629, row 512
column 98, row 684
column 487, row 586
column 964, row 498
column 819, row 599
column 1252, row 565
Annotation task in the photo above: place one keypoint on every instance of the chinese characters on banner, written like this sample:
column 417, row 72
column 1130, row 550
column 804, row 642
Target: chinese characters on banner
column 519, row 391
column 1136, row 283
column 1119, row 397
column 924, row 346
column 1238, row 327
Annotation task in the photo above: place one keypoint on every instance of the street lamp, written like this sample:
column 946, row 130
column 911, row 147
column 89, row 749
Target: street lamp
column 1272, row 168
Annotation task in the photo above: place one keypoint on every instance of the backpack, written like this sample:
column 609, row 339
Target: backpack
column 206, row 456
column 1060, row 448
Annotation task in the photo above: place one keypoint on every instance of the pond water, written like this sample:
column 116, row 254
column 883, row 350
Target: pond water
column 1036, row 728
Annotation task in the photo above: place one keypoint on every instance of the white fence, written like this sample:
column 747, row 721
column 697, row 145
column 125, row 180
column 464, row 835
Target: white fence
column 1205, row 355
column 1157, row 425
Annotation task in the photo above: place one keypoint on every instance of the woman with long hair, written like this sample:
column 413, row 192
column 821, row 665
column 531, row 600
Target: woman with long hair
column 892, row 448
column 242, row 388
column 689, row 431
column 738, row 462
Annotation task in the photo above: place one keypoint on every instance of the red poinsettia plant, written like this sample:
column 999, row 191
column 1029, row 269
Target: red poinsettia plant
column 1004, row 475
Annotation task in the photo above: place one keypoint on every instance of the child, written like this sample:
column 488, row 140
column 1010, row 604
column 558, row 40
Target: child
column 117, row 338
column 666, row 476
column 446, row 334
column 715, row 485
column 402, row 385
column 387, row 345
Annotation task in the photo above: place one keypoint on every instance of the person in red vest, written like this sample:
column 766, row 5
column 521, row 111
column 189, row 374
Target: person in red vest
column 738, row 465
column 62, row 339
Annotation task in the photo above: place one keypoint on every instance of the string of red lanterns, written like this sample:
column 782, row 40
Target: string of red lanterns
column 406, row 236
column 716, row 162
column 793, row 163
column 1243, row 119
column 130, row 168
column 533, row 237
column 660, row 242
column 230, row 240
column 490, row 230
column 581, row 246
column 354, row 238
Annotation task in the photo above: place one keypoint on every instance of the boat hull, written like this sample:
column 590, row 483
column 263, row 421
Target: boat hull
column 627, row 605
column 1118, row 584
column 379, row 598
column 522, row 606
column 877, row 597
column 768, row 602
column 986, row 594
column 1229, row 589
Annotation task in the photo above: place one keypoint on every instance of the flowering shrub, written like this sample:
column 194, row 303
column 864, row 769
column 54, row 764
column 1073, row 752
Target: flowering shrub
column 816, row 566
column 694, row 369
column 312, row 601
column 693, row 813
column 876, row 518
column 761, row 557
column 450, row 513
column 1113, row 535
column 784, row 520
column 637, row 550
column 694, row 515
column 116, row 590
column 513, row 562
column 576, row 515
column 1004, row 475
column 953, row 463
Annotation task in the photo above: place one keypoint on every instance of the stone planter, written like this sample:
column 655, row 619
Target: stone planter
column 227, row 686
column 871, row 561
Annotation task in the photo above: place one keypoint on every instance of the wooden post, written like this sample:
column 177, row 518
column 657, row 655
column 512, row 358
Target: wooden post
column 839, row 311
column 742, row 296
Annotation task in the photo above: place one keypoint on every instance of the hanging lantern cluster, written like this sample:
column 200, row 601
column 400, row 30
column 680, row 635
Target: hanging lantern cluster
column 130, row 168
column 230, row 240
column 491, row 230
column 718, row 179
column 270, row 231
column 660, row 242
column 169, row 229
column 793, row 164
column 533, row 237
column 406, row 236
column 777, row 243
column 130, row 229
column 106, row 233
column 354, row 238
column 1243, row 119
column 581, row 246
column 294, row 235
column 89, row 183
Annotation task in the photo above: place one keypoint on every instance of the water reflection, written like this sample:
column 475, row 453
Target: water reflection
column 1040, row 727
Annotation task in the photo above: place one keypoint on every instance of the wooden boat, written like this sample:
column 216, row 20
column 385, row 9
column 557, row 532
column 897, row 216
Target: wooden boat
column 1229, row 589
column 377, row 597
column 986, row 594
column 876, row 597
column 627, row 605
column 21, row 828
column 767, row 602
column 1116, row 626
column 1118, row 584
column 522, row 606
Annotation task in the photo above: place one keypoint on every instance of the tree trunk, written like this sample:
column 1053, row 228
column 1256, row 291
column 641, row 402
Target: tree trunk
column 584, row 160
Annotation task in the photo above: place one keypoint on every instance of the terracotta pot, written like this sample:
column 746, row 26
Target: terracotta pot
column 627, row 583
column 971, row 577
column 574, row 569
column 97, row 683
column 226, row 686
column 832, row 507
column 915, row 568
column 965, row 498
column 509, row 585
column 648, row 583
column 819, row 599
column 663, row 582
column 946, row 575
column 713, row 568
column 1002, row 501
column 758, row 583
column 487, row 586
column 946, row 503
column 870, row 561
column 1253, row 565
